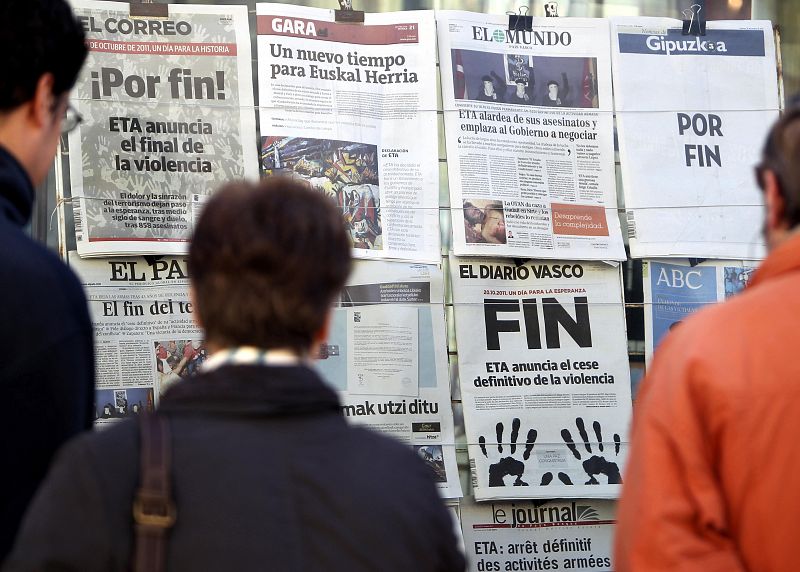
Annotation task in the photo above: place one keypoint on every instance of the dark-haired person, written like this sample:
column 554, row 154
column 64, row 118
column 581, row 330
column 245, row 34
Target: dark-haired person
column 710, row 484
column 267, row 474
column 493, row 88
column 557, row 95
column 40, row 299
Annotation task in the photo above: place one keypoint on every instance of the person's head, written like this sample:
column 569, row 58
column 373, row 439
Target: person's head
column 494, row 225
column 45, row 48
column 522, row 85
column 488, row 85
column 778, row 176
column 266, row 262
column 472, row 214
column 552, row 89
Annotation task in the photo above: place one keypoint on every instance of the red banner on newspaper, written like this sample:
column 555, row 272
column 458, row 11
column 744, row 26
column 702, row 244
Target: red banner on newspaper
column 163, row 48
column 377, row 35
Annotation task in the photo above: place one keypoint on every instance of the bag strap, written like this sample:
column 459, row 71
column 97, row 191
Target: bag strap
column 153, row 507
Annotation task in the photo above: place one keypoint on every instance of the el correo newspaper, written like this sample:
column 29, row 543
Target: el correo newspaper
column 529, row 132
column 351, row 109
column 545, row 382
column 145, row 337
column 692, row 113
column 168, row 116
column 673, row 289
column 528, row 535
column 387, row 357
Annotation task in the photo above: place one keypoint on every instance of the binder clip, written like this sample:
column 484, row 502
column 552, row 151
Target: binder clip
column 148, row 9
column 521, row 22
column 551, row 9
column 695, row 261
column 346, row 14
column 696, row 23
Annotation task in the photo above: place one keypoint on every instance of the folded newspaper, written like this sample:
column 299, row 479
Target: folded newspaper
column 168, row 116
column 351, row 109
column 529, row 131
column 692, row 113
column 544, row 375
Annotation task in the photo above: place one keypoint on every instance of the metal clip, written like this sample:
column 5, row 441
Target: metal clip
column 521, row 22
column 551, row 9
column 346, row 14
column 696, row 24
column 148, row 9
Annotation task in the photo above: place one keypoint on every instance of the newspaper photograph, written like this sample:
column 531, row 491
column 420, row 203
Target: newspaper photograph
column 673, row 289
column 531, row 535
column 691, row 115
column 167, row 108
column 529, row 133
column 544, row 377
column 387, row 357
column 351, row 110
column 145, row 337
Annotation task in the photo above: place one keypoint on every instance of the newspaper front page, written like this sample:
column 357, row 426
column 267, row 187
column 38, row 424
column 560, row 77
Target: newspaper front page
column 544, row 377
column 168, row 116
column 351, row 109
column 673, row 289
column 145, row 337
column 387, row 358
column 529, row 535
column 529, row 132
column 692, row 113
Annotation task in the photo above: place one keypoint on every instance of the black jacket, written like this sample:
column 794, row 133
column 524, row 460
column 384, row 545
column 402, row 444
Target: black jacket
column 267, row 476
column 47, row 368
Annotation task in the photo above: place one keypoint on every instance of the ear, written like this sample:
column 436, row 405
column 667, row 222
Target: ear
column 43, row 102
column 775, row 203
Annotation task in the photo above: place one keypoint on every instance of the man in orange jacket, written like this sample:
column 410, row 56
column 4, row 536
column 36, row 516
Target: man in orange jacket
column 711, row 482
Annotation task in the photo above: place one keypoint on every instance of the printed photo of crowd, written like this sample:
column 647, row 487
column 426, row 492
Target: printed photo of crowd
column 543, row 81
column 345, row 171
column 176, row 360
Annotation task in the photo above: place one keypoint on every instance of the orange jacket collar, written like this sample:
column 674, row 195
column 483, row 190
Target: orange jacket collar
column 785, row 258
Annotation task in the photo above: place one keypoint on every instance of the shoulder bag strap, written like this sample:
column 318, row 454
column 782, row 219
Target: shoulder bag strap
column 153, row 507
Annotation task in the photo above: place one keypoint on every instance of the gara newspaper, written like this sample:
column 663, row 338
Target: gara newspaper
column 351, row 109
column 387, row 357
column 167, row 109
column 529, row 133
column 692, row 112
column 544, row 376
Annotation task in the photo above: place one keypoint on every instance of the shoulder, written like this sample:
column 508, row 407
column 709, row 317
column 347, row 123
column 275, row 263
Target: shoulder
column 36, row 283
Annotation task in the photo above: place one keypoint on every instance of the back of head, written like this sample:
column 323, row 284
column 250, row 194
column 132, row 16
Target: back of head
column 781, row 155
column 38, row 37
column 266, row 262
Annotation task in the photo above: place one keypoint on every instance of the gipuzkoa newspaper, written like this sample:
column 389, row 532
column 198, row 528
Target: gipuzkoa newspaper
column 545, row 382
column 692, row 113
column 351, row 109
column 145, row 337
column 526, row 535
column 387, row 357
column 529, row 132
column 168, row 116
column 673, row 290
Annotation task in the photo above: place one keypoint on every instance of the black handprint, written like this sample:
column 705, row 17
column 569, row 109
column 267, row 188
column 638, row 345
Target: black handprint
column 509, row 465
column 596, row 464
